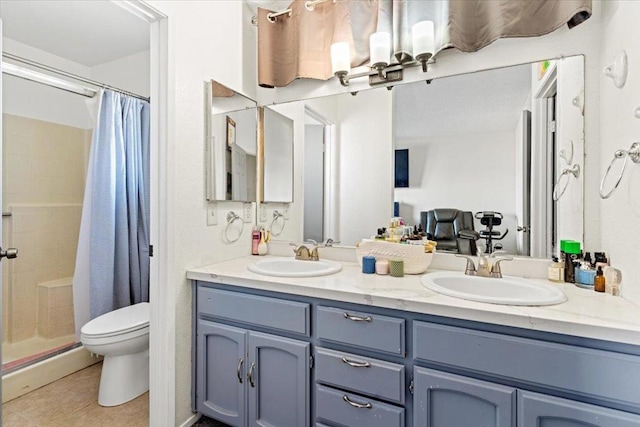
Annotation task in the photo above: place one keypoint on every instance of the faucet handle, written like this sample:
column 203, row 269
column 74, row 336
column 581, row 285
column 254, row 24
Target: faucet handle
column 471, row 266
column 495, row 268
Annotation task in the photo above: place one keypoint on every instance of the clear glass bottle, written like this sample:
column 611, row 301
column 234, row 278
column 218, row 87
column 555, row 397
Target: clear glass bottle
column 556, row 270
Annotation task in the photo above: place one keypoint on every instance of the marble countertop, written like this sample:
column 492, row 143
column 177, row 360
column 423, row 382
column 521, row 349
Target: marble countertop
column 585, row 314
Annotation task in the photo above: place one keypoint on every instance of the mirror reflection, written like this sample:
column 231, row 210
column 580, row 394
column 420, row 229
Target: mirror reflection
column 231, row 144
column 277, row 154
column 484, row 153
column 476, row 159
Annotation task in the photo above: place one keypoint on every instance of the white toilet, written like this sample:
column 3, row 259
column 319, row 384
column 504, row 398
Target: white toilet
column 122, row 337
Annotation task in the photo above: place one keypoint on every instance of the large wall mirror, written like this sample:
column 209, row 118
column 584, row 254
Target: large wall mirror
column 231, row 144
column 503, row 144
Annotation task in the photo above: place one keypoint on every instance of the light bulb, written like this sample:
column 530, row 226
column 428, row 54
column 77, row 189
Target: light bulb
column 340, row 58
column 380, row 48
column 423, row 39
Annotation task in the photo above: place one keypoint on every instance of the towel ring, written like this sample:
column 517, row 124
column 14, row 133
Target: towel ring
column 276, row 216
column 573, row 170
column 633, row 153
column 231, row 218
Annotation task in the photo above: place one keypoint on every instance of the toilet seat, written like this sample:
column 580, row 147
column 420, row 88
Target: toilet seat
column 122, row 321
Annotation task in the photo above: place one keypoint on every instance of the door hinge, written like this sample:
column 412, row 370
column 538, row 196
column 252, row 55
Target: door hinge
column 553, row 126
column 150, row 250
column 310, row 362
column 411, row 386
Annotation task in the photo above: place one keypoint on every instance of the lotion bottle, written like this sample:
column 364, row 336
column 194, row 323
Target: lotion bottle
column 255, row 241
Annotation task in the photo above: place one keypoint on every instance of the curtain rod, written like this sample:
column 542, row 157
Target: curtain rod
column 310, row 5
column 72, row 76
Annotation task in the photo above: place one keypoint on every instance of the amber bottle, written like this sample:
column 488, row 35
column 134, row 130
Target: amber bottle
column 599, row 281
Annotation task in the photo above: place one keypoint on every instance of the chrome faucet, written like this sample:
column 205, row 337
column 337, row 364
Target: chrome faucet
column 486, row 268
column 305, row 254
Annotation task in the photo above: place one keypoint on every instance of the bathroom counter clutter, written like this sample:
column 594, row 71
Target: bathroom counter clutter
column 585, row 313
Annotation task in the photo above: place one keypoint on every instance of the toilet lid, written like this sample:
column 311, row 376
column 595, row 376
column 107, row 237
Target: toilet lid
column 119, row 321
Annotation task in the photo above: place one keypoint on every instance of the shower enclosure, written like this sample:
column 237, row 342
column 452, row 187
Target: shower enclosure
column 44, row 168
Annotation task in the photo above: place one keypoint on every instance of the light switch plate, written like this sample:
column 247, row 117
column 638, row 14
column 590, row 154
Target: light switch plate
column 285, row 211
column 212, row 214
column 246, row 212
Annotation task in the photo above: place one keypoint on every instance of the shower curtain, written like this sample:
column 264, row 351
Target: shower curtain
column 112, row 263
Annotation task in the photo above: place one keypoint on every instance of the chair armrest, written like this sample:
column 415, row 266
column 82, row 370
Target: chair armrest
column 469, row 234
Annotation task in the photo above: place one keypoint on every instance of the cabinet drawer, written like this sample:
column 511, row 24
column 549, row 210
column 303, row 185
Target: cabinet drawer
column 334, row 406
column 360, row 374
column 592, row 373
column 361, row 329
column 267, row 312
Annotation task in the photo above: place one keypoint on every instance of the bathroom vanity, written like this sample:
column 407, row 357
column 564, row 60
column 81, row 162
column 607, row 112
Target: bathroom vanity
column 365, row 351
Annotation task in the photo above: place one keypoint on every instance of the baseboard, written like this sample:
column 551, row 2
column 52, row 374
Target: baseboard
column 39, row 374
column 191, row 420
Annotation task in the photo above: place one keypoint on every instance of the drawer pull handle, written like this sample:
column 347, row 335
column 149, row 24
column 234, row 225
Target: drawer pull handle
column 357, row 318
column 250, row 374
column 356, row 404
column 356, row 364
column 238, row 374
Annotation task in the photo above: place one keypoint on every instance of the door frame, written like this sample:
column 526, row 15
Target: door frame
column 540, row 220
column 162, row 365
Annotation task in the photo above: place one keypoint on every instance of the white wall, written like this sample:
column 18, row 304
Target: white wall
column 36, row 101
column 620, row 214
column 366, row 164
column 205, row 41
column 130, row 73
column 28, row 99
column 470, row 172
column 313, row 182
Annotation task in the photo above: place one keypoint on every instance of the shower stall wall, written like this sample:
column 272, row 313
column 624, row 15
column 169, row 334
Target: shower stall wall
column 44, row 168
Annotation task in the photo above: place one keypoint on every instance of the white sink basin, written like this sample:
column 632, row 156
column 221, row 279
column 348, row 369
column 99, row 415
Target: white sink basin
column 506, row 291
column 290, row 267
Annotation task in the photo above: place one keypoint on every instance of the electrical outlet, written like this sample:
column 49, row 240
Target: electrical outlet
column 246, row 212
column 263, row 212
column 212, row 214
column 285, row 211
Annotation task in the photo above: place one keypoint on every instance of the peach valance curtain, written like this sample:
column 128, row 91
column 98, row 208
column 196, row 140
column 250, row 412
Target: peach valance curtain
column 298, row 46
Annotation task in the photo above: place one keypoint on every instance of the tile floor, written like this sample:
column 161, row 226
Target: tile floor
column 73, row 401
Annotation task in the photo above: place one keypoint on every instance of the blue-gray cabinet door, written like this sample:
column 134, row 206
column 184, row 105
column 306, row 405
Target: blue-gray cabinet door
column 221, row 364
column 278, row 378
column 447, row 400
column 547, row 411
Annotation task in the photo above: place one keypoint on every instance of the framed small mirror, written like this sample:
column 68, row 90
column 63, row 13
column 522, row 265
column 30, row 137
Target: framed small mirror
column 276, row 148
column 231, row 144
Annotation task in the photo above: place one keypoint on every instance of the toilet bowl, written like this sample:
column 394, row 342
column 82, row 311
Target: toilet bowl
column 122, row 337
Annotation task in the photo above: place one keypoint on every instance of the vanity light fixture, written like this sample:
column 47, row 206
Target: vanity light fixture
column 382, row 71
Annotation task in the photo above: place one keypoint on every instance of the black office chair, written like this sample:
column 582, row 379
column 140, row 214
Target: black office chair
column 491, row 219
column 452, row 229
